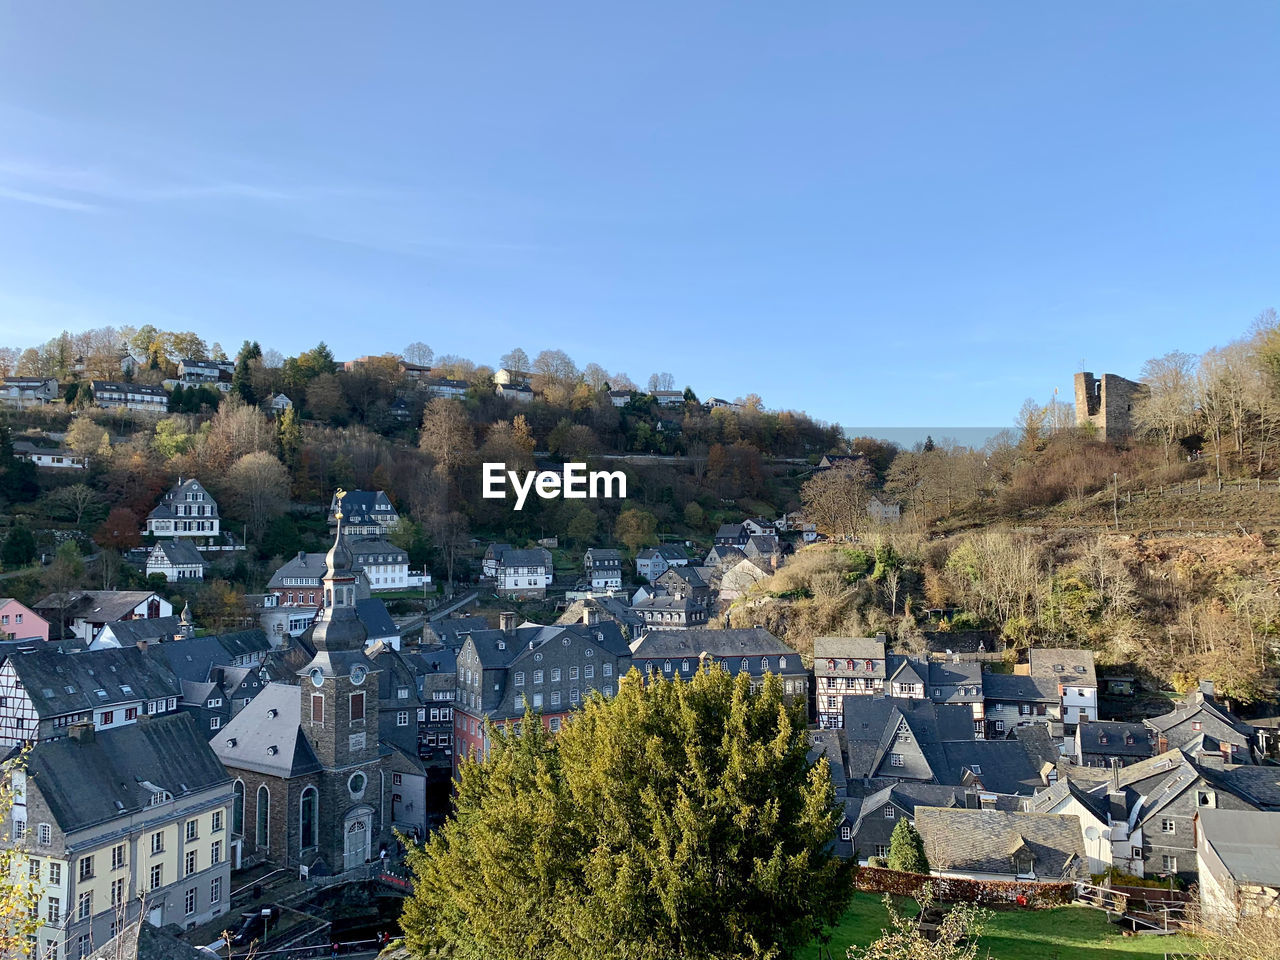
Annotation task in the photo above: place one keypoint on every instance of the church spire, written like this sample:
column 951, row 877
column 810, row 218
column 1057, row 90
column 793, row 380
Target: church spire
column 337, row 625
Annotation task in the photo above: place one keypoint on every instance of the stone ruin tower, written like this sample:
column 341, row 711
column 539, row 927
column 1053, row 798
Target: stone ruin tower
column 1107, row 403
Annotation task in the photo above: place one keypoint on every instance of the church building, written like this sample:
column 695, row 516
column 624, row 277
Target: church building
column 313, row 784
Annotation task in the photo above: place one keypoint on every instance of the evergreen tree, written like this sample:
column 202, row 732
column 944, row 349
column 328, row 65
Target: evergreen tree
column 17, row 476
column 19, row 547
column 177, row 399
column 677, row 819
column 242, row 376
column 906, row 849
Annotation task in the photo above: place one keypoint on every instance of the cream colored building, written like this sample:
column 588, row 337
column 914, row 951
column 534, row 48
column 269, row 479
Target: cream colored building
column 118, row 822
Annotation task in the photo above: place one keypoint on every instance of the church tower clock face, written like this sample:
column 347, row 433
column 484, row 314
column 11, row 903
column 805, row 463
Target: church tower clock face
column 358, row 673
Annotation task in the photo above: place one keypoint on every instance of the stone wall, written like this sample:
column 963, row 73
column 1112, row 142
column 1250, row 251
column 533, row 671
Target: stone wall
column 1107, row 404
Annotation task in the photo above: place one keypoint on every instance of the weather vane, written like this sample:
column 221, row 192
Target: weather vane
column 339, row 495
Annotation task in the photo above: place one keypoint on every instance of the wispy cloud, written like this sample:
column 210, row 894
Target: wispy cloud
column 46, row 200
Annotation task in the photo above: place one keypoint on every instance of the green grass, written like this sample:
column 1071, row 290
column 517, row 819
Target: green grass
column 1064, row 933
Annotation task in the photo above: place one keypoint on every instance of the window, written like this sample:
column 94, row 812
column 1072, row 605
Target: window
column 846, row 833
column 1168, row 826
column 215, row 853
column 684, row 666
column 357, row 706
column 537, row 676
column 589, row 671
column 895, row 759
column 189, row 902
column 889, row 813
column 44, row 834
column 108, row 717
column 157, row 877
column 215, row 723
column 555, row 674
column 55, row 874
column 53, row 912
column 263, row 824
column 519, row 701
column 237, row 807
column 309, row 817
column 86, row 867
column 519, row 678
column 1169, row 864
column 193, row 829
column 117, row 892
column 84, row 906
column 606, row 669
column 189, row 864
column 33, row 870
column 882, row 850
column 537, row 701
column 216, row 821
column 215, row 890
column 402, row 718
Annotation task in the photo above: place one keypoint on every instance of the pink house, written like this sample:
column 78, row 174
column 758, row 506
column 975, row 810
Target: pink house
column 17, row 622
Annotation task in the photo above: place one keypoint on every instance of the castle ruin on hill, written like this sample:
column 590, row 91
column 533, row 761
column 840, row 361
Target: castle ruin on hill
column 1107, row 402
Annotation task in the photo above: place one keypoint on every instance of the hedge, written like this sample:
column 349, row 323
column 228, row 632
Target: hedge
column 1032, row 894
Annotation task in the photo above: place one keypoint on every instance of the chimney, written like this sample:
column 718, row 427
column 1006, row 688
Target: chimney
column 1206, row 689
column 1118, row 812
column 507, row 621
column 1162, row 744
column 142, row 645
column 81, row 732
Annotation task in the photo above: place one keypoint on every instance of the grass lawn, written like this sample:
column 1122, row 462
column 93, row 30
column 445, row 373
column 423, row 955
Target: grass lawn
column 1065, row 933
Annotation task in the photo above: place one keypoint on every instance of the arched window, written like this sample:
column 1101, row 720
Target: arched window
column 237, row 809
column 744, row 665
column 666, row 666
column 308, row 817
column 868, row 664
column 831, row 664
column 782, row 665
column 848, row 665
column 264, row 816
column 764, row 664
column 328, row 597
column 684, row 666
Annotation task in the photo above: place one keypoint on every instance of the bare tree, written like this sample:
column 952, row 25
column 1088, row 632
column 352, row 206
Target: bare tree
column 1169, row 404
column 419, row 353
column 516, row 360
column 259, row 486
column 836, row 499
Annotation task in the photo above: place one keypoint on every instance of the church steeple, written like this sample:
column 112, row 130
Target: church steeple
column 337, row 626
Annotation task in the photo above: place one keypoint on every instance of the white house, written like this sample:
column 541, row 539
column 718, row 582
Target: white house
column 653, row 562
column 524, row 573
column 187, row 510
column 384, row 564
column 1238, row 859
column 519, row 392
column 883, row 510
column 619, row 398
column 85, row 612
column 278, row 403
column 365, row 513
column 1073, row 672
column 111, row 395
column 49, row 458
column 193, row 373
column 604, row 568
column 177, row 560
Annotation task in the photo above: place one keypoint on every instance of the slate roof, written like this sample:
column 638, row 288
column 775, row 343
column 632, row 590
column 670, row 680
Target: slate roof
column 1093, row 801
column 97, row 606
column 603, row 557
column 1197, row 701
column 871, row 722
column 1002, row 766
column 955, row 682
column 534, row 557
column 668, row 552
column 266, row 736
column 375, row 550
column 124, row 675
column 849, row 648
column 905, row 670
column 828, row 743
column 664, row 601
column 191, row 657
column 180, row 552
column 451, row 631
column 1118, row 734
column 1247, row 843
column 1062, row 665
column 729, row 531
column 611, row 608
column 724, row 555
column 753, row 643
column 176, row 494
column 377, row 621
column 363, row 507
column 1011, row 687
column 98, row 781
column 984, row 841
column 154, row 630
column 1259, row 785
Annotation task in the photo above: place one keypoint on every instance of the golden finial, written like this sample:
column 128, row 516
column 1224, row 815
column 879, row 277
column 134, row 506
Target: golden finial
column 339, row 495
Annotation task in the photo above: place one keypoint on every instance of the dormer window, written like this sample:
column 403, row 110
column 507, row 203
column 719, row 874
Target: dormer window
column 1024, row 863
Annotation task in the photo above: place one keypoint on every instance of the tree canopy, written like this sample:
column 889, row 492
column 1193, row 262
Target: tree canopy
column 677, row 819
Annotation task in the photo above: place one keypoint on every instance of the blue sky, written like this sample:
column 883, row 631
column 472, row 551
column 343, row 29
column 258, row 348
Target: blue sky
column 879, row 215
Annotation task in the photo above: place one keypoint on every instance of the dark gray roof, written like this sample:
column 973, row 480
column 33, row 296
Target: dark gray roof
column 668, row 552
column 535, row 557
column 726, row 554
column 871, row 722
column 1247, row 842
column 191, row 657
column 363, row 507
column 132, row 632
column 753, row 642
column 604, row 556
column 241, row 643
column 181, row 552
column 266, row 736
column 377, row 621
column 1003, row 766
column 451, row 631
column 1011, row 687
column 124, row 675
column 1196, row 702
column 848, row 648
column 374, row 550
column 900, row 669
column 1121, row 739
column 729, row 531
column 94, row 782
column 1258, row 785
column 984, row 841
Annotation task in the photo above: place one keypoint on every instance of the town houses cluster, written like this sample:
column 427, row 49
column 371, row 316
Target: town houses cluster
column 161, row 757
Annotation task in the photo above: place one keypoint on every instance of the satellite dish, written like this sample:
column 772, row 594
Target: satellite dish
column 1091, row 833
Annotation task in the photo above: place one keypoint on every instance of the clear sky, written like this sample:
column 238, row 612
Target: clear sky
column 884, row 214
